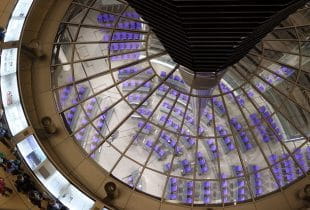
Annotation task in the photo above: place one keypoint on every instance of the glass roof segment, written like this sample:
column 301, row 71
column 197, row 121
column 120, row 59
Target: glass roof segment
column 124, row 101
column 17, row 20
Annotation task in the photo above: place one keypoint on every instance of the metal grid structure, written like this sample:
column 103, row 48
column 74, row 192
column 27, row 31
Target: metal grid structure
column 123, row 100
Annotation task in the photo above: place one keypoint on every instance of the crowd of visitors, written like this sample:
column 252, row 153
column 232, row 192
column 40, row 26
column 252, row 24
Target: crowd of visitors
column 23, row 182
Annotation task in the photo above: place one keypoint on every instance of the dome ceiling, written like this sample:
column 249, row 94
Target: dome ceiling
column 121, row 96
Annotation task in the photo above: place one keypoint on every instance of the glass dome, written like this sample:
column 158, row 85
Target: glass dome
column 123, row 100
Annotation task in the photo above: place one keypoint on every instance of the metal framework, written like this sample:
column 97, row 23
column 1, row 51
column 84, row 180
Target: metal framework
column 258, row 85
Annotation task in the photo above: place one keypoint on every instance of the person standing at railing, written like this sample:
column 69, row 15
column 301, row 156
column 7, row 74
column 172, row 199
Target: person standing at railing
column 4, row 136
column 2, row 33
column 23, row 183
column 3, row 160
column 13, row 167
column 4, row 190
column 35, row 197
column 55, row 205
